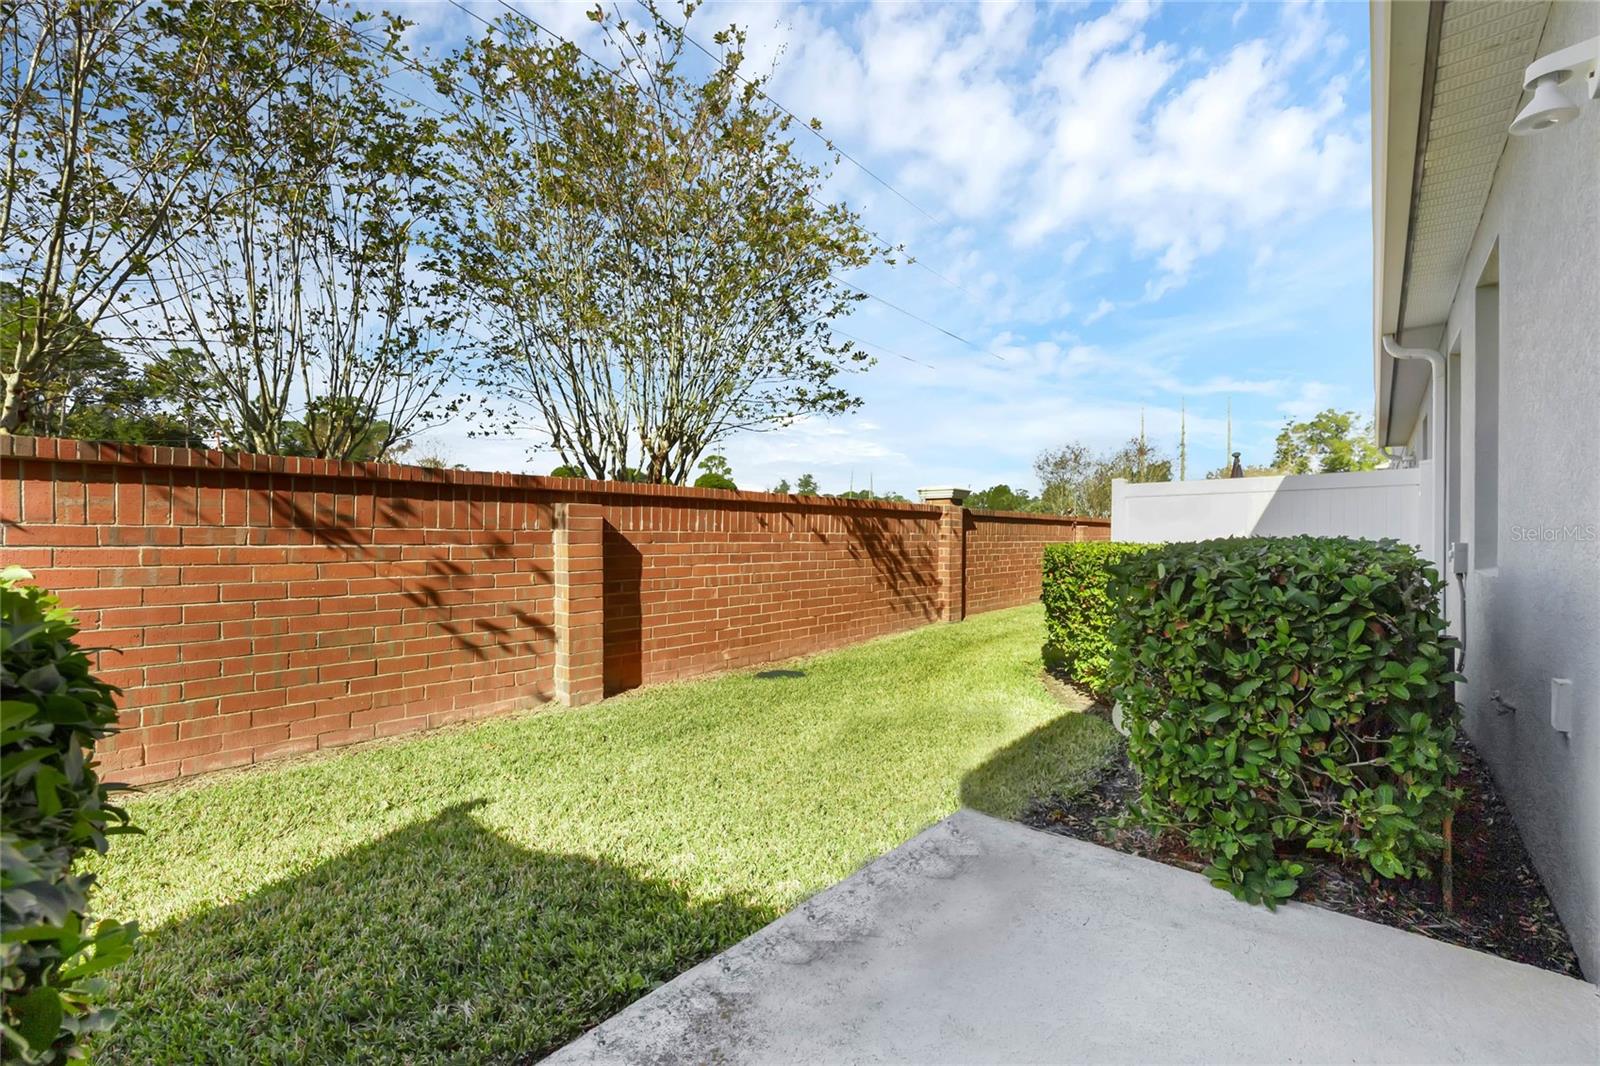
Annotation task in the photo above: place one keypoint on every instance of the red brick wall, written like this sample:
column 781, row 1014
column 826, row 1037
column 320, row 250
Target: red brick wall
column 267, row 605
column 1005, row 550
column 721, row 580
column 271, row 605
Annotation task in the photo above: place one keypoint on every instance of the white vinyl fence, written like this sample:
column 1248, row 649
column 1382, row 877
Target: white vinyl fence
column 1372, row 504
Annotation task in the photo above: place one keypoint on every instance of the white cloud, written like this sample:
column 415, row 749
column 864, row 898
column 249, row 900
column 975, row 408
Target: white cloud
column 990, row 116
column 1074, row 157
column 839, row 453
column 452, row 444
column 445, row 27
column 1309, row 398
column 923, row 84
column 1179, row 166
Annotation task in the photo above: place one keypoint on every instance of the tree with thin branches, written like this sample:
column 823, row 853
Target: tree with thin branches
column 110, row 112
column 657, row 267
column 310, row 309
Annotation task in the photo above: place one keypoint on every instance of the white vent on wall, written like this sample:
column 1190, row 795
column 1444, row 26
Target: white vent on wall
column 1561, row 704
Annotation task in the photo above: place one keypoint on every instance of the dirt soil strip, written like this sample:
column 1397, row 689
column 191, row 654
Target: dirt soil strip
column 1501, row 906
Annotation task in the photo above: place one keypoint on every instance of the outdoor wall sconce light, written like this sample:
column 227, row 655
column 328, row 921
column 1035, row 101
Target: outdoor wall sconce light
column 1551, row 104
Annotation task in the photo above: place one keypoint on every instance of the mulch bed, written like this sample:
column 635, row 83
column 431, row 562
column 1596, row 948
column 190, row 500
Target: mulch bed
column 1500, row 903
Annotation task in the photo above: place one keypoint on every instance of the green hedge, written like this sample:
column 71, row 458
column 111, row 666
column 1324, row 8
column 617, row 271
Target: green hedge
column 56, row 808
column 1077, row 608
column 1287, row 697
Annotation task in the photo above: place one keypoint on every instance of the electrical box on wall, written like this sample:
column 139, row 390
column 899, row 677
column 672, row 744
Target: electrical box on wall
column 1459, row 554
column 1561, row 704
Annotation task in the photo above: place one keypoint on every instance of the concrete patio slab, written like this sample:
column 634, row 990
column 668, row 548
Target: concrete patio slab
column 985, row 941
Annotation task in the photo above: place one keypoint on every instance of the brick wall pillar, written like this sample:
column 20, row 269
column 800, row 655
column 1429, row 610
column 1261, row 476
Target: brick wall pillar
column 952, row 563
column 579, row 604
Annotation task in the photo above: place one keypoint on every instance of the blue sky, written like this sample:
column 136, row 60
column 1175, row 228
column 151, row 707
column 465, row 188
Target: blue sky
column 1132, row 207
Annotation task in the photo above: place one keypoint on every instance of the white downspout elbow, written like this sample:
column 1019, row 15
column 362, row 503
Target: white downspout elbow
column 1395, row 351
column 1438, row 449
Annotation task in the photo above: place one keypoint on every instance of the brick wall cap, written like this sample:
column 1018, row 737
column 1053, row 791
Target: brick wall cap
column 943, row 494
column 981, row 515
column 71, row 451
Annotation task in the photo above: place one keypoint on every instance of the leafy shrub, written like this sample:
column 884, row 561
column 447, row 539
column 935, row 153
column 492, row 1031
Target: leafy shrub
column 1078, row 611
column 710, row 480
column 1286, row 696
column 55, row 805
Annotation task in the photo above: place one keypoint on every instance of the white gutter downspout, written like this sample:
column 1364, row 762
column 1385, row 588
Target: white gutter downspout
column 1438, row 450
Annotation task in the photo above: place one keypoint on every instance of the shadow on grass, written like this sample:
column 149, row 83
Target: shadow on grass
column 440, row 942
column 1060, row 758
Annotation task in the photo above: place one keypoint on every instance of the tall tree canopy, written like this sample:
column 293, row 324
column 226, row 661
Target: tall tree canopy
column 1001, row 498
column 92, row 391
column 658, row 267
column 233, row 185
column 715, row 473
column 287, row 245
column 112, row 111
column 310, row 302
column 1330, row 442
column 1075, row 479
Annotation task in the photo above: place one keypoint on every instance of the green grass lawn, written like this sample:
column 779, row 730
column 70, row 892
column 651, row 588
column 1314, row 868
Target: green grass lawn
column 489, row 892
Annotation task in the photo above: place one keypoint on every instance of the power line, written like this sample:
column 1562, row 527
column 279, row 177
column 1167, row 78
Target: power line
column 889, row 246
column 827, row 141
column 914, row 261
column 881, row 348
column 413, row 65
column 918, row 318
column 832, row 146
column 617, row 74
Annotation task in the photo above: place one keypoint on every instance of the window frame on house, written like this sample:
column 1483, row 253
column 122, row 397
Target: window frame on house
column 1487, row 336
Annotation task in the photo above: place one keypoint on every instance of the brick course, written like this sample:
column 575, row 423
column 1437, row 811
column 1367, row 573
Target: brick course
column 265, row 605
column 1005, row 551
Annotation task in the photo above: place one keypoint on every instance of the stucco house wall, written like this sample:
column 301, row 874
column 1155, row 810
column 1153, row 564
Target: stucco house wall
column 1530, row 610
